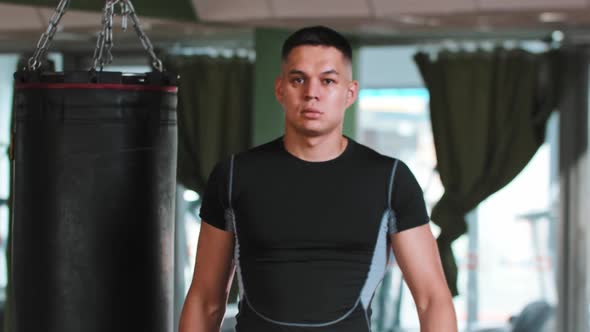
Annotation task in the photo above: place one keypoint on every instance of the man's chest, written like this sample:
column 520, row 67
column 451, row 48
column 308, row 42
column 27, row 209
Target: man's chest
column 310, row 211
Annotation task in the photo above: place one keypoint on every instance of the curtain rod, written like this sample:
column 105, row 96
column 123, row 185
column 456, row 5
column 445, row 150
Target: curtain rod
column 213, row 51
column 549, row 37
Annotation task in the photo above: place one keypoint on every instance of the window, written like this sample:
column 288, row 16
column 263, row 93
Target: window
column 8, row 62
column 507, row 260
column 396, row 122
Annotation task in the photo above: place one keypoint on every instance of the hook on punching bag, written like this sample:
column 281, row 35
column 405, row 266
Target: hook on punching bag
column 93, row 209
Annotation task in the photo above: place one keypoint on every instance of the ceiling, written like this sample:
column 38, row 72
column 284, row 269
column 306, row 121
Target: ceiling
column 407, row 19
column 21, row 27
column 230, row 22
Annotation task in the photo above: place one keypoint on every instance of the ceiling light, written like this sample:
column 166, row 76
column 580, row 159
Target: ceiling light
column 408, row 19
column 433, row 22
column 483, row 27
column 552, row 17
column 377, row 28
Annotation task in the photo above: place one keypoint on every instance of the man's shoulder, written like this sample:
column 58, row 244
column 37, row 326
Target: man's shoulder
column 260, row 150
column 369, row 154
column 259, row 155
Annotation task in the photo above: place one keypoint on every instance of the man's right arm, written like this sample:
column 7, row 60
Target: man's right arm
column 204, row 306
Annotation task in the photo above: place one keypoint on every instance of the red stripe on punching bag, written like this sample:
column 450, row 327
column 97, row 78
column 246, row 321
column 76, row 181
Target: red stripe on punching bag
column 107, row 86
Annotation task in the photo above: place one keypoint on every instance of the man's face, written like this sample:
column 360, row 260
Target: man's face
column 315, row 88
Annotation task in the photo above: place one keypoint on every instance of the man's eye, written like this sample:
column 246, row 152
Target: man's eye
column 328, row 81
column 297, row 80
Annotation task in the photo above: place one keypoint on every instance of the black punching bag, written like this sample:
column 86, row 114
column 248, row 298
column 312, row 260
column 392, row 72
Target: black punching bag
column 94, row 190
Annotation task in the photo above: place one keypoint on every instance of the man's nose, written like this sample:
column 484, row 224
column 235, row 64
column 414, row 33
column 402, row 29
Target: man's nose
column 312, row 90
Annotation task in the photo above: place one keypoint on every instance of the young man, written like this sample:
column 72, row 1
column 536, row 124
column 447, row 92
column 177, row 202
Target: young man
column 307, row 220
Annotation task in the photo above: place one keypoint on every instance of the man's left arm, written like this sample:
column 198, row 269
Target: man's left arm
column 417, row 255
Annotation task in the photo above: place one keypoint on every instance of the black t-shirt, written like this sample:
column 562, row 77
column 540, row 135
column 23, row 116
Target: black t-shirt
column 311, row 237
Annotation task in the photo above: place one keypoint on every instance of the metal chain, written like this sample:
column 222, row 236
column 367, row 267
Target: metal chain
column 124, row 14
column 145, row 41
column 104, row 43
column 36, row 60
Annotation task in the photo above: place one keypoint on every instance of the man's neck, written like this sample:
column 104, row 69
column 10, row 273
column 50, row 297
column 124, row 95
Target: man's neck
column 315, row 148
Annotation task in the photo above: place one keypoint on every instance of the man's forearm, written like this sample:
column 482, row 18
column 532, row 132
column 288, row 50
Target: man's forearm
column 438, row 316
column 199, row 317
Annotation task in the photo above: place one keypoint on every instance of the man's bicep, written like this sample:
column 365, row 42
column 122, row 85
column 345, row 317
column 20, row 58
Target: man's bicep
column 407, row 203
column 214, row 266
column 417, row 255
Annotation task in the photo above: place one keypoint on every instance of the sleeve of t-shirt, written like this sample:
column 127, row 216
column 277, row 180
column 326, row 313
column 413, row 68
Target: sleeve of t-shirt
column 407, row 201
column 215, row 199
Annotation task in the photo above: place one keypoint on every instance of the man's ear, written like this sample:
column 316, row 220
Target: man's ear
column 352, row 92
column 279, row 90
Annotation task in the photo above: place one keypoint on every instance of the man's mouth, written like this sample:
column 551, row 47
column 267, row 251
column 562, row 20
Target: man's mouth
column 311, row 113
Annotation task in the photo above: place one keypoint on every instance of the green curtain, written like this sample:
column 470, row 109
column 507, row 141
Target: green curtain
column 214, row 113
column 488, row 111
column 574, row 181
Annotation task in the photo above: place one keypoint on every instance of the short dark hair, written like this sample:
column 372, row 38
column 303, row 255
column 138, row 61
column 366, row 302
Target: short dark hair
column 317, row 36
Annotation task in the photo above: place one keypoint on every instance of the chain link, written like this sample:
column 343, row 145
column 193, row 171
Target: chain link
column 36, row 60
column 104, row 44
column 124, row 14
column 145, row 41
